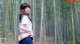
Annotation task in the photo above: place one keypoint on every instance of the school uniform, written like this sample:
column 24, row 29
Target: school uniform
column 25, row 37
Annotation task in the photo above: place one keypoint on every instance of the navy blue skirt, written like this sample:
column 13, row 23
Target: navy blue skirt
column 27, row 40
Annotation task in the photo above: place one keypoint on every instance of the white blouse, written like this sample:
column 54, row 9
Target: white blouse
column 25, row 20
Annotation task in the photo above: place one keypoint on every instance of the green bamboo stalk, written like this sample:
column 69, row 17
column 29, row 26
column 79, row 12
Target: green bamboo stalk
column 54, row 4
column 4, row 9
column 73, row 33
column 15, row 22
column 33, row 13
column 77, row 23
column 42, row 28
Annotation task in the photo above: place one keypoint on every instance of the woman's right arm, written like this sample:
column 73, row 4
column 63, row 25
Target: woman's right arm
column 23, row 27
column 23, row 24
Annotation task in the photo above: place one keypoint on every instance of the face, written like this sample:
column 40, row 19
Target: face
column 27, row 10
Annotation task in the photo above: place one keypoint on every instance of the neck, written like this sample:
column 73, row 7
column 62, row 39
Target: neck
column 25, row 13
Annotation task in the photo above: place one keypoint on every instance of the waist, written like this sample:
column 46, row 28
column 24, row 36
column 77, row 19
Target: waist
column 26, row 38
column 23, row 35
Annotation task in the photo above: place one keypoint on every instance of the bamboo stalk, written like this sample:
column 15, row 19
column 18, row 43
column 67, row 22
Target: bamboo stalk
column 73, row 33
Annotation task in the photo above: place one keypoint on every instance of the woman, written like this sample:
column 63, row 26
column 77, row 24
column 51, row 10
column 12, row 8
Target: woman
column 25, row 24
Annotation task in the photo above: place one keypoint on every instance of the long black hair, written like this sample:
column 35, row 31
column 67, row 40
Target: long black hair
column 22, row 7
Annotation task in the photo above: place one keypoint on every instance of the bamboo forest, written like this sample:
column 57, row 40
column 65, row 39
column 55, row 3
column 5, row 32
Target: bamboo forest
column 54, row 21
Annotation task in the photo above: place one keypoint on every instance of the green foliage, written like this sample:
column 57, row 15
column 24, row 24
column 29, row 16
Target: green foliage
column 59, row 23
